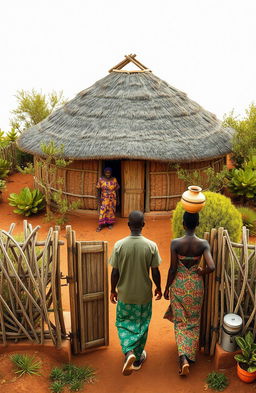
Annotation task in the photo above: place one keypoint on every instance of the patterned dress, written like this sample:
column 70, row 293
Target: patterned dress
column 108, row 189
column 186, row 297
column 132, row 322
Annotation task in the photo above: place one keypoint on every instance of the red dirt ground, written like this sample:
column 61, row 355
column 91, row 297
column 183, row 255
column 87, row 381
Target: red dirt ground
column 159, row 374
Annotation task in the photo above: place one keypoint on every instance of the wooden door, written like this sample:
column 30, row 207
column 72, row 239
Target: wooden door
column 88, row 277
column 133, row 183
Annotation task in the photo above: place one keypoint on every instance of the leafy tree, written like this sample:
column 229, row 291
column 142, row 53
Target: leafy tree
column 33, row 107
column 208, row 179
column 244, row 140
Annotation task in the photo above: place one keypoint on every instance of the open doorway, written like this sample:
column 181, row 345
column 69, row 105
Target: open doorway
column 116, row 167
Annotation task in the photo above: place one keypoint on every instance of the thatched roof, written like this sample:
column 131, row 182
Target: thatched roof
column 131, row 115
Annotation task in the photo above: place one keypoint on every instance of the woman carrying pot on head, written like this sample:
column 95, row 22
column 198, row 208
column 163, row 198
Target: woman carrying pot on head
column 108, row 198
column 185, row 289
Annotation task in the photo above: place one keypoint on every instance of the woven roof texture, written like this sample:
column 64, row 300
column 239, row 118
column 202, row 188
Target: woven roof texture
column 134, row 116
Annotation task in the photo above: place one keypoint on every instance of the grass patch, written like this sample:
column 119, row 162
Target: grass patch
column 217, row 381
column 72, row 376
column 25, row 364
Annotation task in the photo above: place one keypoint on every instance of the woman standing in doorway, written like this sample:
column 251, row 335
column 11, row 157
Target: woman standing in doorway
column 108, row 198
column 185, row 289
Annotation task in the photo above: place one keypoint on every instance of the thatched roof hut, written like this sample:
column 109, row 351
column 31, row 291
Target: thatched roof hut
column 132, row 115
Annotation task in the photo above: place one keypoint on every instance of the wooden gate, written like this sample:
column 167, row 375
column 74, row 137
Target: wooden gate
column 133, row 180
column 88, row 288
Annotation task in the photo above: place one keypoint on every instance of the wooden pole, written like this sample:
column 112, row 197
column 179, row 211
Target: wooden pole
column 70, row 236
column 217, row 286
column 147, row 197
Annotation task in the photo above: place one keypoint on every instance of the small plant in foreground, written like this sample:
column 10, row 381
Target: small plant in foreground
column 57, row 387
column 76, row 386
column 217, row 381
column 25, row 364
column 247, row 358
column 27, row 202
column 56, row 374
column 70, row 375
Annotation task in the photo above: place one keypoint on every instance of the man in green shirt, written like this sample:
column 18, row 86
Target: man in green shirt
column 131, row 259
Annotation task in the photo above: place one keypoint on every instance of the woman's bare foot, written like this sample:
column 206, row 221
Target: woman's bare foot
column 184, row 365
column 98, row 229
column 110, row 226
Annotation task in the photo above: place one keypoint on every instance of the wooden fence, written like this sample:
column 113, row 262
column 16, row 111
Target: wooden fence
column 230, row 289
column 30, row 293
column 9, row 153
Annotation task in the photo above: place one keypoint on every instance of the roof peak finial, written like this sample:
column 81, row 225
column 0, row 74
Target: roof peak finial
column 129, row 59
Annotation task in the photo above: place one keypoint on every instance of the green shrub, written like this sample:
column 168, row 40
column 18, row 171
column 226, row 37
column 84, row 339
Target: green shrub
column 4, row 168
column 243, row 182
column 27, row 202
column 26, row 364
column 249, row 219
column 217, row 381
column 218, row 212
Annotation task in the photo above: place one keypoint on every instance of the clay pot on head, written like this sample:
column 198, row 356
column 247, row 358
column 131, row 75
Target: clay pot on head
column 244, row 375
column 193, row 200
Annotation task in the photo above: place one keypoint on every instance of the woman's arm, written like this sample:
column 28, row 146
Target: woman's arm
column 210, row 266
column 172, row 271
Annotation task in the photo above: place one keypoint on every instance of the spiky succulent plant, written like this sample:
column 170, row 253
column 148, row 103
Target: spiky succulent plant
column 27, row 202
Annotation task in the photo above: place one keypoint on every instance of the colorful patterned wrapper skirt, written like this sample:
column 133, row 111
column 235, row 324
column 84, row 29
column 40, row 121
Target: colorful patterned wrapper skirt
column 186, row 297
column 132, row 322
column 107, row 211
column 108, row 189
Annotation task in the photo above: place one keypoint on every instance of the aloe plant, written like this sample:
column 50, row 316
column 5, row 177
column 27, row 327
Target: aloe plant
column 27, row 202
column 4, row 168
column 2, row 185
column 243, row 182
column 249, row 218
column 248, row 356
column 12, row 135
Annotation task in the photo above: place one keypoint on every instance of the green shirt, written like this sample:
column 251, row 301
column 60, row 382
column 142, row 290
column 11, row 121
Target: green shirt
column 133, row 256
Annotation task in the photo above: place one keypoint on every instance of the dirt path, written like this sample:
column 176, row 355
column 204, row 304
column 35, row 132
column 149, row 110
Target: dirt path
column 159, row 373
